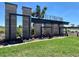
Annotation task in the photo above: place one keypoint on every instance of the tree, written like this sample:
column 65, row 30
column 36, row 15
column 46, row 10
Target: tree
column 20, row 26
column 19, row 31
column 39, row 13
column 43, row 12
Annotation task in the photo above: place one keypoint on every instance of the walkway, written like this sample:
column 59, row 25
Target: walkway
column 35, row 40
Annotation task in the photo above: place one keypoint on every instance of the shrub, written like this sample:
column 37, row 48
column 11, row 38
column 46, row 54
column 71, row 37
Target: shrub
column 32, row 31
column 19, row 32
column 1, row 31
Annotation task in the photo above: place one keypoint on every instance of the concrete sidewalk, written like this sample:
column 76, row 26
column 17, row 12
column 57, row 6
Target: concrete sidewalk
column 35, row 40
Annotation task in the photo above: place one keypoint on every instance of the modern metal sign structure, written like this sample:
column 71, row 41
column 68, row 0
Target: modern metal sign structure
column 11, row 22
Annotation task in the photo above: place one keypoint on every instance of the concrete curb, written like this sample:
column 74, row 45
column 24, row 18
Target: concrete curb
column 36, row 40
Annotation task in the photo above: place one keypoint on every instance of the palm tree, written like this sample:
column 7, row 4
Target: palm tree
column 43, row 12
column 39, row 13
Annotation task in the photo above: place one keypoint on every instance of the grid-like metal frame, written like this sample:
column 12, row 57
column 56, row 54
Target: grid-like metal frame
column 10, row 14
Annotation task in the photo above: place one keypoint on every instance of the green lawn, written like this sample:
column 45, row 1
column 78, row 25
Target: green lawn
column 68, row 46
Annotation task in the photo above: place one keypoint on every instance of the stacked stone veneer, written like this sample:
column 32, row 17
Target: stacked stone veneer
column 61, row 29
column 52, row 29
column 26, row 22
column 37, row 29
column 55, row 28
column 10, row 24
column 47, row 29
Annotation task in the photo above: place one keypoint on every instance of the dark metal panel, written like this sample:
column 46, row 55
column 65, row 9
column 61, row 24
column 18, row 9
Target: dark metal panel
column 71, row 27
column 36, row 20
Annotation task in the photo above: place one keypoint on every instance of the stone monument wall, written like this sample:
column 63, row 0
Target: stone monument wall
column 10, row 21
column 26, row 22
column 37, row 29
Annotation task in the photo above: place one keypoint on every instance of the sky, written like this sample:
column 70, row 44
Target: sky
column 68, row 10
